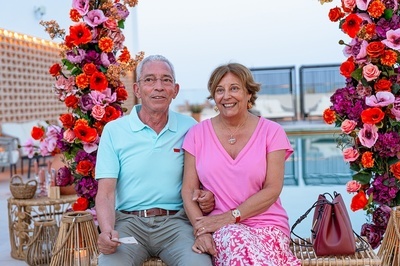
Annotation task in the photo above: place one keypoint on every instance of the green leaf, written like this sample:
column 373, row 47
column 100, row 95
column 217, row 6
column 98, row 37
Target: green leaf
column 357, row 74
column 395, row 88
column 68, row 64
column 121, row 24
column 363, row 177
column 76, row 71
column 388, row 13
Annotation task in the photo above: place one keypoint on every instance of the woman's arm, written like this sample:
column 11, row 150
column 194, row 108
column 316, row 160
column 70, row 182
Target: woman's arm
column 191, row 183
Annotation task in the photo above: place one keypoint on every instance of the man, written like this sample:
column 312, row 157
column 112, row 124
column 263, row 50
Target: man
column 139, row 167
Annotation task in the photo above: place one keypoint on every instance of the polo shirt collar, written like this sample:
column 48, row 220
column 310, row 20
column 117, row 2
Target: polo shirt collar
column 136, row 124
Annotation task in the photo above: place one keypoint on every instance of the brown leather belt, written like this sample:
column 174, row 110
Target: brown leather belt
column 150, row 212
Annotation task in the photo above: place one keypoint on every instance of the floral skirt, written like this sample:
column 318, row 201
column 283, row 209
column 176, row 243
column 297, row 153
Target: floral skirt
column 239, row 244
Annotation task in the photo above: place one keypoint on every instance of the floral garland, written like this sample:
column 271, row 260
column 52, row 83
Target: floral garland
column 88, row 82
column 367, row 109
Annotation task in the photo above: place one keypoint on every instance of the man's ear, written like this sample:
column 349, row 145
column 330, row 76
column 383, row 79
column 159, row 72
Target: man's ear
column 136, row 90
column 176, row 90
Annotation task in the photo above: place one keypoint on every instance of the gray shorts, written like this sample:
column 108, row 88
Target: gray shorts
column 168, row 237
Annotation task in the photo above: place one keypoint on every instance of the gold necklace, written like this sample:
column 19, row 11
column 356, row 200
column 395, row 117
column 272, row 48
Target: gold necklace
column 232, row 140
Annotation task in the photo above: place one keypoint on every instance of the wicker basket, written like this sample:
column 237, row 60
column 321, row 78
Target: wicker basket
column 19, row 190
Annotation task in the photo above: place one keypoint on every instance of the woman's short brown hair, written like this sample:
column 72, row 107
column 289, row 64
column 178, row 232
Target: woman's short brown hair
column 243, row 73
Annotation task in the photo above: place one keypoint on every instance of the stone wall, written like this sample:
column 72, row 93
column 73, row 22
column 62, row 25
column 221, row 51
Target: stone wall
column 26, row 87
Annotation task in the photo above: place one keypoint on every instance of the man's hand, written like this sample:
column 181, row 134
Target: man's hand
column 205, row 199
column 108, row 242
column 205, row 244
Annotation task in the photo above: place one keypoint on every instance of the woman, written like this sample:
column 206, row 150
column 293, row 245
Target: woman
column 240, row 158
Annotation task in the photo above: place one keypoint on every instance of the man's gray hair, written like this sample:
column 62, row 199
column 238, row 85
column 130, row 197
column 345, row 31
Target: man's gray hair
column 153, row 58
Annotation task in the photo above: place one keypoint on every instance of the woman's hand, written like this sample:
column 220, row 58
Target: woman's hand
column 210, row 224
column 204, row 244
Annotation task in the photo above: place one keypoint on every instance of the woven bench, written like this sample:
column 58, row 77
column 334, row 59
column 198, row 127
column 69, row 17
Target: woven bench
column 154, row 262
column 308, row 257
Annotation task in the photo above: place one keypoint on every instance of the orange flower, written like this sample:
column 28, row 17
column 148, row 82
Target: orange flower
column 370, row 29
column 55, row 70
column 375, row 49
column 383, row 85
column 329, row 116
column 37, row 132
column 335, row 14
column 84, row 167
column 125, row 56
column 85, row 133
column 89, row 69
column 74, row 15
column 367, row 159
column 351, row 25
column 376, row 9
column 122, row 94
column 99, row 127
column 347, row 67
column 111, row 114
column 71, row 101
column 67, row 120
column 359, row 201
column 79, row 34
column 395, row 169
column 81, row 204
column 389, row 58
column 98, row 81
column 106, row 44
column 82, row 81
column 372, row 116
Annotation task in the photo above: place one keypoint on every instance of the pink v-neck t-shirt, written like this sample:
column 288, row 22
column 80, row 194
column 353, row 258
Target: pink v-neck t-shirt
column 234, row 180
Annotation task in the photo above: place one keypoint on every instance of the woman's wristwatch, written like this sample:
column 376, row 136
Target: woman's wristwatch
column 236, row 214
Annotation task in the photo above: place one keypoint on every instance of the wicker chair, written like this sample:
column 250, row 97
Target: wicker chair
column 154, row 262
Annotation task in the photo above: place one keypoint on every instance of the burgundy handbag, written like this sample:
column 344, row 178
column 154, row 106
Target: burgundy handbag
column 331, row 232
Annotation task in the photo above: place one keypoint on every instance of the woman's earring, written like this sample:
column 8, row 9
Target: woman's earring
column 249, row 105
column 216, row 109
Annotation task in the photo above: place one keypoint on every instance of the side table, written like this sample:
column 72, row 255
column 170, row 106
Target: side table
column 23, row 212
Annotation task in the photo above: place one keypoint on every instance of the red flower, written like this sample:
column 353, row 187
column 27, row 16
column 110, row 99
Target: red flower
column 329, row 116
column 74, row 15
column 375, row 49
column 351, row 25
column 372, row 116
column 347, row 67
column 84, row 167
column 81, row 204
column 55, row 70
column 359, row 201
column 79, row 34
column 111, row 114
column 89, row 69
column 106, row 44
column 37, row 132
column 85, row 133
column 98, row 81
column 335, row 14
column 67, row 120
column 125, row 56
column 71, row 101
column 383, row 85
column 122, row 94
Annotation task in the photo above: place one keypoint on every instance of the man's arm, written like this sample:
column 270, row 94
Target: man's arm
column 105, row 210
column 205, row 199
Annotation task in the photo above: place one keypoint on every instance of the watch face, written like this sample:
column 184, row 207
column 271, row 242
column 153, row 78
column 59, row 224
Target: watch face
column 236, row 213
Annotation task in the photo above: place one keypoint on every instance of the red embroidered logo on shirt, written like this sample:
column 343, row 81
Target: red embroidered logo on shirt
column 177, row 150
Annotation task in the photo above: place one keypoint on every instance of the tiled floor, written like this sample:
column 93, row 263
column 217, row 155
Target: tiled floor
column 5, row 248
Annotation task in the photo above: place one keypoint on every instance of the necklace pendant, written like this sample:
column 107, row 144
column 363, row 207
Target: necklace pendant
column 232, row 140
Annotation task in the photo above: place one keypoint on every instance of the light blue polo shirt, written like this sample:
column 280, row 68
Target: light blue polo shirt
column 149, row 167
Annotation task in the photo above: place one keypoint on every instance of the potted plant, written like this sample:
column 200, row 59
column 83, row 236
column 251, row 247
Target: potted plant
column 196, row 110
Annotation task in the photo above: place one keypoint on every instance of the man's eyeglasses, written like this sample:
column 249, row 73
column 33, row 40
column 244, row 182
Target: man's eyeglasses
column 150, row 81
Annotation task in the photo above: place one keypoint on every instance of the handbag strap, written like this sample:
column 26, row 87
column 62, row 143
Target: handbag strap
column 302, row 217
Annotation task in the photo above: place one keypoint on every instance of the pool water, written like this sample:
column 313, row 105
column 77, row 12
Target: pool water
column 316, row 166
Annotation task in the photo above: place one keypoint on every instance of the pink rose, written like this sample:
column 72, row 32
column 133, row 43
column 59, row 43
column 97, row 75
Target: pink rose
column 353, row 186
column 350, row 154
column 370, row 72
column 348, row 126
column 69, row 135
column 98, row 112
